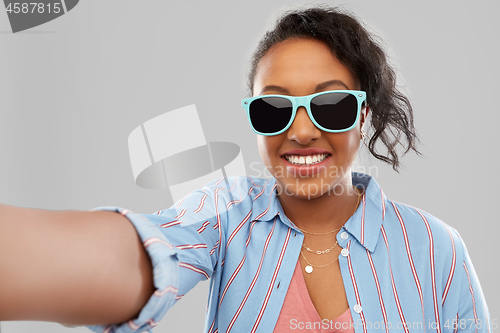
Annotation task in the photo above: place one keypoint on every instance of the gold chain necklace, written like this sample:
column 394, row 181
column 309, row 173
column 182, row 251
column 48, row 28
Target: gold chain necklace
column 319, row 233
column 309, row 268
column 320, row 252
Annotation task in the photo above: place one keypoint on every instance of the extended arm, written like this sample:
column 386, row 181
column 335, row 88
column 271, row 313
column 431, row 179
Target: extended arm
column 71, row 267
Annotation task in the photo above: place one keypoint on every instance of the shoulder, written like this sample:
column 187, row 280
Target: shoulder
column 416, row 215
column 423, row 230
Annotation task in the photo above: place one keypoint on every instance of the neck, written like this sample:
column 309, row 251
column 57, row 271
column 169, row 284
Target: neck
column 327, row 212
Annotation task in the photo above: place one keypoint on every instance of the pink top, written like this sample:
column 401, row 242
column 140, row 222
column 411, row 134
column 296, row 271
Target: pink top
column 298, row 311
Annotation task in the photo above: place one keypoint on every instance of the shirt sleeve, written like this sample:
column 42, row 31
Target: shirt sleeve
column 183, row 243
column 472, row 314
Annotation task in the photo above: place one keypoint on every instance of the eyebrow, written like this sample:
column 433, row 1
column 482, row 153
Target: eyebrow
column 319, row 87
column 274, row 88
column 323, row 85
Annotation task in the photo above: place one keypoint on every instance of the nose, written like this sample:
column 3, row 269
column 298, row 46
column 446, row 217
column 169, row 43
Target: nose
column 302, row 130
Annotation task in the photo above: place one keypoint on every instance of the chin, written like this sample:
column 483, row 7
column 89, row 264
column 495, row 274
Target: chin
column 303, row 189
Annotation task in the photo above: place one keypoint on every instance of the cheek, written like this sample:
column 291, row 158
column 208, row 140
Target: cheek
column 353, row 140
column 262, row 143
column 268, row 147
column 347, row 143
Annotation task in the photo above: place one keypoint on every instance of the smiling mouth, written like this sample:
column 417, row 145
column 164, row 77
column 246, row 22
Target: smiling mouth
column 308, row 160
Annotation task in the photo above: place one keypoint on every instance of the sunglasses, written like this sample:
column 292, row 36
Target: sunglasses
column 332, row 111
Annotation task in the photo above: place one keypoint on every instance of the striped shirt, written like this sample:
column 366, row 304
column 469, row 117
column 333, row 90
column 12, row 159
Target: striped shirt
column 403, row 269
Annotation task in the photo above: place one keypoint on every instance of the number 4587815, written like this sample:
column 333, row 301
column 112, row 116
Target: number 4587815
column 33, row 8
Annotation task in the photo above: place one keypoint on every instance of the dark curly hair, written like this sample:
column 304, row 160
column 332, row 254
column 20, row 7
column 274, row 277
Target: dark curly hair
column 355, row 48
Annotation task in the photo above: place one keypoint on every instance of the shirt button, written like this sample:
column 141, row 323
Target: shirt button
column 358, row 308
column 344, row 235
column 345, row 252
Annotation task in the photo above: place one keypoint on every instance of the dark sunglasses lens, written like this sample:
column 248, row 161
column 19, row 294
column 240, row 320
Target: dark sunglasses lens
column 270, row 114
column 335, row 111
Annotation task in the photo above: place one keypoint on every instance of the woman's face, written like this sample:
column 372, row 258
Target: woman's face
column 299, row 67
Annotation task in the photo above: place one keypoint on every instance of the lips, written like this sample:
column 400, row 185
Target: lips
column 306, row 151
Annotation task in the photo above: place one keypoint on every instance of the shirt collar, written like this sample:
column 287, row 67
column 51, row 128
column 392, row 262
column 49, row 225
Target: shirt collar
column 366, row 222
column 364, row 225
column 266, row 210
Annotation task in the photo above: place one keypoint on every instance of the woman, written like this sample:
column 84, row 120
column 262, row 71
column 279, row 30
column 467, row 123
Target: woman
column 316, row 247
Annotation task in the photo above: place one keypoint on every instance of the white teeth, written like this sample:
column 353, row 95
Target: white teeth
column 307, row 160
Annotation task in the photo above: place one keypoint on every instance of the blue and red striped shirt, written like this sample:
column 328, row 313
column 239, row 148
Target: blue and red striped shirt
column 403, row 269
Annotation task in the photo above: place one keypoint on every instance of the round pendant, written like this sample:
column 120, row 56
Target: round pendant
column 308, row 269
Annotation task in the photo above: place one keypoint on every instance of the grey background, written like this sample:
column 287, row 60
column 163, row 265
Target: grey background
column 73, row 89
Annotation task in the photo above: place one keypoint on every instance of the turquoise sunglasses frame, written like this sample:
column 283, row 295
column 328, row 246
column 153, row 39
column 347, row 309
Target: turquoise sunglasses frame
column 305, row 101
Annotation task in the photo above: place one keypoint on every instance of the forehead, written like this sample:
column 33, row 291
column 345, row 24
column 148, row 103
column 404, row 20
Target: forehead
column 299, row 65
